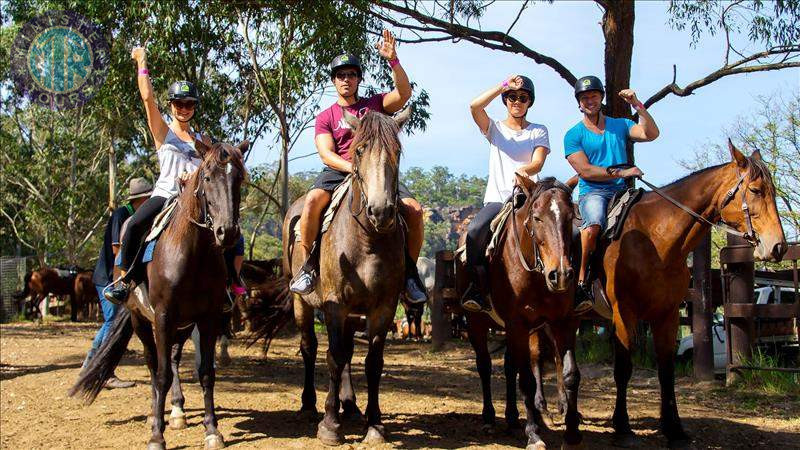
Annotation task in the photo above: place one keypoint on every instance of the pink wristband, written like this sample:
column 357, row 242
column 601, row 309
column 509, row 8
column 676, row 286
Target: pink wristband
column 393, row 62
column 638, row 106
column 505, row 83
column 144, row 72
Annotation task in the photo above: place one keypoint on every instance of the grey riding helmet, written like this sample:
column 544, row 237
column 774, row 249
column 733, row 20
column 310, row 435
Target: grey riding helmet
column 183, row 90
column 527, row 85
column 588, row 83
column 346, row 60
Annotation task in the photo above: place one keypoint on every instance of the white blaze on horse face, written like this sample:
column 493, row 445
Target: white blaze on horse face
column 554, row 208
column 229, row 168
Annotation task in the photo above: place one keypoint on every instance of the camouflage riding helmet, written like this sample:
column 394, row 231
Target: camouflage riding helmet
column 183, row 90
column 589, row 83
column 346, row 60
column 527, row 85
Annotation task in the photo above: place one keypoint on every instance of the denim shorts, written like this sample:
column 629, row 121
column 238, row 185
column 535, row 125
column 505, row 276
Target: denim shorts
column 593, row 206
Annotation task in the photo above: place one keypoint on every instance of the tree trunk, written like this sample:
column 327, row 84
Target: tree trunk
column 112, row 176
column 618, row 31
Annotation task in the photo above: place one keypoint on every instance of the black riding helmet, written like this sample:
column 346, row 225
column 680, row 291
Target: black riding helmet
column 589, row 83
column 346, row 60
column 183, row 90
column 527, row 85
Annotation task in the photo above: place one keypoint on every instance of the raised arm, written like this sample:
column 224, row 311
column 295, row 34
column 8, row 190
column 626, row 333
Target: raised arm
column 158, row 128
column 397, row 98
column 330, row 158
column 646, row 130
column 478, row 106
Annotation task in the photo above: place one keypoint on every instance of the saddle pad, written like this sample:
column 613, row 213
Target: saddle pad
column 496, row 227
column 336, row 200
column 162, row 219
column 149, row 248
column 618, row 212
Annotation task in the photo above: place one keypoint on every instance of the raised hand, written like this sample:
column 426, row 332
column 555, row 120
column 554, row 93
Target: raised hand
column 139, row 54
column 386, row 48
column 513, row 83
column 629, row 96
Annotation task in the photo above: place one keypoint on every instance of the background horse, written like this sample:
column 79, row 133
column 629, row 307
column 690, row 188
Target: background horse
column 361, row 273
column 45, row 281
column 646, row 276
column 186, row 281
column 531, row 285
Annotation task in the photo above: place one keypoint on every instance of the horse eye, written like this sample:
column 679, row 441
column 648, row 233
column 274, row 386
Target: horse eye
column 537, row 218
column 755, row 191
column 207, row 178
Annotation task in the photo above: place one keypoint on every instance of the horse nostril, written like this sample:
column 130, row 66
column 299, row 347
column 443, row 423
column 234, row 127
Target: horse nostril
column 220, row 233
column 370, row 211
column 568, row 274
column 779, row 250
column 552, row 276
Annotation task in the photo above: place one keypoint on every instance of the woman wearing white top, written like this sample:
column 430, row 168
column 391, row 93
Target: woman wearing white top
column 177, row 158
column 516, row 146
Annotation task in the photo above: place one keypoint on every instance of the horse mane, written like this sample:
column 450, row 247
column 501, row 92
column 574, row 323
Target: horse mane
column 219, row 154
column 756, row 169
column 379, row 128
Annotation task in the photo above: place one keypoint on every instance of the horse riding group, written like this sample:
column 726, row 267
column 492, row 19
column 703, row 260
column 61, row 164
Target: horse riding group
column 349, row 247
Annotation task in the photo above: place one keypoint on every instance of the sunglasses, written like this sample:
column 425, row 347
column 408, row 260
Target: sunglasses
column 342, row 76
column 184, row 104
column 521, row 98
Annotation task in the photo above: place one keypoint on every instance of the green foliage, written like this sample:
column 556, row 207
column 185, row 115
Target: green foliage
column 765, row 381
column 437, row 187
column 593, row 348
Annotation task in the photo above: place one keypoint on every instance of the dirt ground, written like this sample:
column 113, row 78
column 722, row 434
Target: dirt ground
column 429, row 400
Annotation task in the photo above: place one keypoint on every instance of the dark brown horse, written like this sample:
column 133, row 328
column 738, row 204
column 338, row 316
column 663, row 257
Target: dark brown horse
column 361, row 273
column 645, row 272
column 186, row 282
column 45, row 281
column 531, row 285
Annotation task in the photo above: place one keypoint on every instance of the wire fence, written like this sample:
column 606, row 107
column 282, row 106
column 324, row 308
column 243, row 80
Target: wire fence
column 12, row 274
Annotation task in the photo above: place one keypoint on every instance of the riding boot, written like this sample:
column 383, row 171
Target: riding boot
column 118, row 292
column 584, row 297
column 305, row 280
column 415, row 289
column 475, row 297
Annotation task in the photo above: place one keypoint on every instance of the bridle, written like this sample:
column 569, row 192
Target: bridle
column 363, row 199
column 206, row 221
column 538, row 264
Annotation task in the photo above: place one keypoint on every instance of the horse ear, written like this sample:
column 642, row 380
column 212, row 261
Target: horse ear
column 402, row 117
column 524, row 182
column 244, row 147
column 736, row 155
column 756, row 155
column 352, row 120
column 201, row 148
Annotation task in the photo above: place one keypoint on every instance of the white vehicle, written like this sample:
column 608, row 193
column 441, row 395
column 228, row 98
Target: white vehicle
column 763, row 295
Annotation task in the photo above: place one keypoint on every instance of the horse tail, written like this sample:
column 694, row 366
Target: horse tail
column 269, row 311
column 93, row 378
column 26, row 288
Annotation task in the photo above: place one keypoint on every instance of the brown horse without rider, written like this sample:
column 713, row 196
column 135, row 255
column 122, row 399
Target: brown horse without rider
column 186, row 282
column 645, row 272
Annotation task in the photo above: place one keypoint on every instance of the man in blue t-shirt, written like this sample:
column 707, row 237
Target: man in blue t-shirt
column 592, row 146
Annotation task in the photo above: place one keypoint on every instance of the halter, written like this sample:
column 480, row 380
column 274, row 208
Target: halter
column 539, row 264
column 200, row 195
column 363, row 200
column 750, row 235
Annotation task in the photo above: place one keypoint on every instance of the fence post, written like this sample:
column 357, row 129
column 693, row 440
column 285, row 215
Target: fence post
column 741, row 280
column 702, row 311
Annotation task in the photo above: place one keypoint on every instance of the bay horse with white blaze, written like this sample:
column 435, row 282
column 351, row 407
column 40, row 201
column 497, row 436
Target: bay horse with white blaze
column 645, row 272
column 531, row 286
column 186, row 281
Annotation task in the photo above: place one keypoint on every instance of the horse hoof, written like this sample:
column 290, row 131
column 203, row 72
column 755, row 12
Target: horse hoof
column 538, row 445
column 489, row 429
column 376, row 434
column 214, row 441
column 624, row 440
column 328, row 436
column 156, row 446
column 307, row 415
column 177, row 423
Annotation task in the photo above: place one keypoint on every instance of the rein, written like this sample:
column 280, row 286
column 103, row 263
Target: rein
column 539, row 265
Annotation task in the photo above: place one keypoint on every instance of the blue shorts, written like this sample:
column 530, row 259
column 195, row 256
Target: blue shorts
column 593, row 206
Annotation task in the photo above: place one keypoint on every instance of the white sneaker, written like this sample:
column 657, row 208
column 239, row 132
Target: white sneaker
column 303, row 283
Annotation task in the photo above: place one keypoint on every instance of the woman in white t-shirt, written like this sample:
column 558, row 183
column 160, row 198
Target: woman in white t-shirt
column 516, row 146
column 177, row 158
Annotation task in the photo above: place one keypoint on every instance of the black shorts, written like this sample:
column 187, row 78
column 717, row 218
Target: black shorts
column 328, row 179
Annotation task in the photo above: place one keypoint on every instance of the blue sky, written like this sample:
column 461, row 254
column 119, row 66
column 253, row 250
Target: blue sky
column 453, row 74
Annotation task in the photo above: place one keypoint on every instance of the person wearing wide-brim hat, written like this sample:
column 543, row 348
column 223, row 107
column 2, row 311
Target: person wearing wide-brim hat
column 139, row 191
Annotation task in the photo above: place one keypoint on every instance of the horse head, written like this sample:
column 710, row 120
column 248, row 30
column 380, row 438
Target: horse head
column 749, row 205
column 548, row 220
column 376, row 163
column 217, row 188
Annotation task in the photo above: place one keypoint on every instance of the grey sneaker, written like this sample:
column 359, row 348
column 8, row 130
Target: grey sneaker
column 116, row 383
column 303, row 283
column 413, row 293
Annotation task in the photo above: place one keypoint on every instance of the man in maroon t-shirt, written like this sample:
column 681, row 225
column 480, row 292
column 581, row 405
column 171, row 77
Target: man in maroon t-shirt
column 333, row 138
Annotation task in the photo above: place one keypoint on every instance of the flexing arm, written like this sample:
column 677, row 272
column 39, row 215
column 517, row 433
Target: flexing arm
column 395, row 100
column 158, row 128
column 646, row 130
column 590, row 172
column 478, row 106
column 330, row 158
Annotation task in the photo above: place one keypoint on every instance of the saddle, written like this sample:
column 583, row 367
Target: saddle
column 327, row 217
